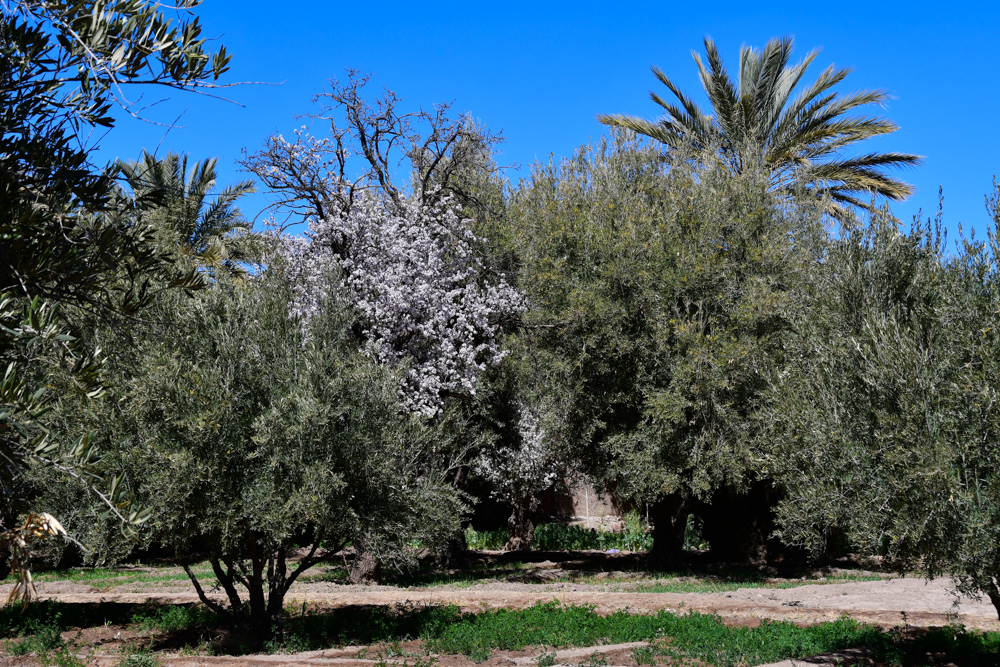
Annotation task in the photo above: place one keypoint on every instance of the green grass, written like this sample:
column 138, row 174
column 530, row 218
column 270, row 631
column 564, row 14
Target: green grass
column 699, row 636
column 729, row 579
column 639, row 581
column 36, row 629
column 701, row 583
column 106, row 578
column 560, row 537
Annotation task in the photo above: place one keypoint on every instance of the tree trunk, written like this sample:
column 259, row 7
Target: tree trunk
column 276, row 582
column 522, row 528
column 258, row 620
column 365, row 568
column 8, row 519
column 738, row 526
column 669, row 517
column 993, row 593
column 262, row 617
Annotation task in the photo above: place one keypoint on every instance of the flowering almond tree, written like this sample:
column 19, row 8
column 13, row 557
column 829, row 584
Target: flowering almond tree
column 423, row 298
column 418, row 291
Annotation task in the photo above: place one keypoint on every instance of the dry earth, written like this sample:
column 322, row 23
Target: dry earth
column 890, row 601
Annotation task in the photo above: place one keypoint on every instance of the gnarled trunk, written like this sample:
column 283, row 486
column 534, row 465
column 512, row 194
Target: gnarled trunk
column 669, row 517
column 260, row 618
column 365, row 568
column 522, row 528
column 993, row 592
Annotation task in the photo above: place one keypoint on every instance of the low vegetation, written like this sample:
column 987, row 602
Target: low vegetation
column 380, row 631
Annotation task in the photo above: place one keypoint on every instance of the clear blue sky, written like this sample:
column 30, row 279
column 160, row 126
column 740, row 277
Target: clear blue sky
column 540, row 71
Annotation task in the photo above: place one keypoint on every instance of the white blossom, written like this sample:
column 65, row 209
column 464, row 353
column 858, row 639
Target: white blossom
column 522, row 472
column 418, row 288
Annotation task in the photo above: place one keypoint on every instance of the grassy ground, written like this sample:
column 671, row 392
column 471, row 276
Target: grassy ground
column 42, row 630
column 103, row 578
column 485, row 571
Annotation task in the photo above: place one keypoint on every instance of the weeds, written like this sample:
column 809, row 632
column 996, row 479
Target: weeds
column 699, row 636
column 595, row 660
column 547, row 659
column 644, row 655
column 137, row 656
column 62, row 658
column 173, row 618
column 693, row 637
column 38, row 636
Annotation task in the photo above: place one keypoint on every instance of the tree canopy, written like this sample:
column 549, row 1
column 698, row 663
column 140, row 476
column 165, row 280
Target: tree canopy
column 757, row 125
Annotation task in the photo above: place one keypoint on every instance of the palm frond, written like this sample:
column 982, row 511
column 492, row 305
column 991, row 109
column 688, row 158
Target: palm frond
column 720, row 89
column 757, row 124
column 697, row 119
column 663, row 131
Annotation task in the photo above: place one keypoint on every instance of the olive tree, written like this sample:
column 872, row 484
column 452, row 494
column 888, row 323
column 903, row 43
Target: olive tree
column 887, row 429
column 252, row 432
column 661, row 294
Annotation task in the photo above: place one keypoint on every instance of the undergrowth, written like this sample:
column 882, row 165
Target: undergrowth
column 634, row 536
column 37, row 630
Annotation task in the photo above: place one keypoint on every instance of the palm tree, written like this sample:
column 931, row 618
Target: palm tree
column 798, row 143
column 213, row 232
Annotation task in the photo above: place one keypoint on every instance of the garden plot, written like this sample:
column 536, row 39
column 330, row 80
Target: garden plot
column 584, row 609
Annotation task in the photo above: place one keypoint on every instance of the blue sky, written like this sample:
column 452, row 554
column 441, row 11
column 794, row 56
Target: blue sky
column 540, row 71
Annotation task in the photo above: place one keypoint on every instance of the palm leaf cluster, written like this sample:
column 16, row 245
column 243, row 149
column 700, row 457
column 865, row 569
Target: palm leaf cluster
column 180, row 203
column 800, row 142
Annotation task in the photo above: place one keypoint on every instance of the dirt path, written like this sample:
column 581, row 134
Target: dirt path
column 886, row 602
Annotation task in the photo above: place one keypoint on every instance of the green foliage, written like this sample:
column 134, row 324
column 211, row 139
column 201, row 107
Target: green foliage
column 62, row 657
column 66, row 239
column 662, row 298
column 177, row 205
column 693, row 538
column 562, row 537
column 445, row 629
column 251, row 433
column 694, row 635
column 64, row 65
column 557, row 537
column 173, row 618
column 887, row 428
column 486, row 540
column 38, row 636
